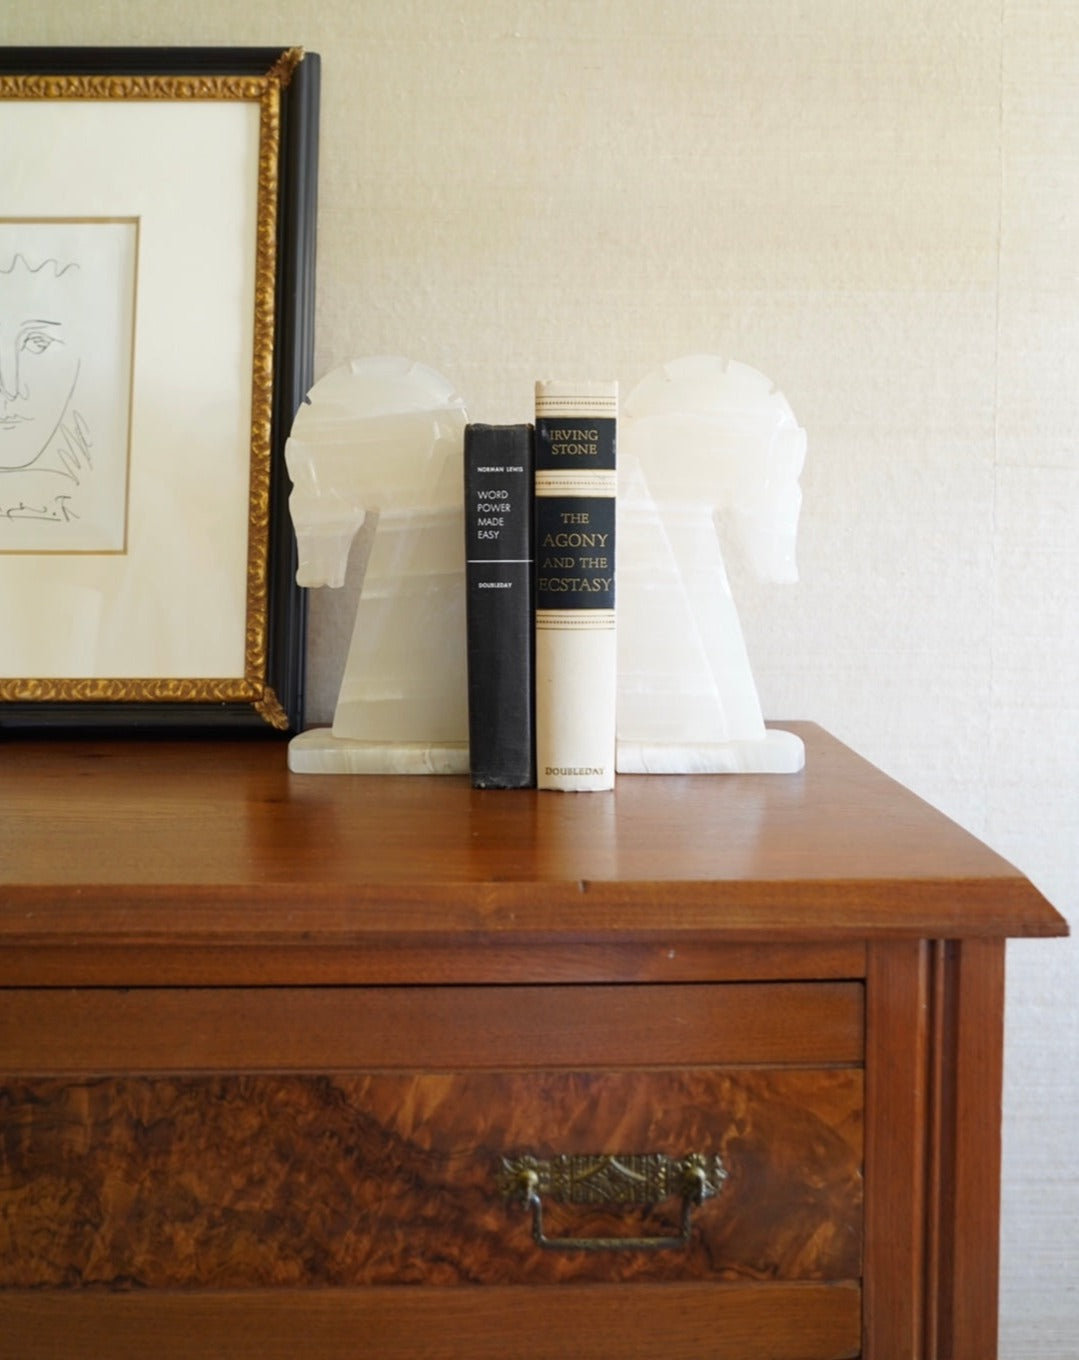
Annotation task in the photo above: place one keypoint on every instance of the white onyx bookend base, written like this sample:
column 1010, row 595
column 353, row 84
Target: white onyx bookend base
column 318, row 751
column 777, row 752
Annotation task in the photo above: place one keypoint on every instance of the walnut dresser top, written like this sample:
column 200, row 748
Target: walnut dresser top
column 130, row 861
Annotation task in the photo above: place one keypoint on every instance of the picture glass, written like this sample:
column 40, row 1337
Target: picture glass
column 127, row 303
column 67, row 325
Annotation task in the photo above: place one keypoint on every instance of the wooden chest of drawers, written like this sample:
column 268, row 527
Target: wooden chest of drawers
column 304, row 1065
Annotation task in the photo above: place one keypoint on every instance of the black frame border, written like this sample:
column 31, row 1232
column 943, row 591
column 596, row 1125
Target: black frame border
column 293, row 358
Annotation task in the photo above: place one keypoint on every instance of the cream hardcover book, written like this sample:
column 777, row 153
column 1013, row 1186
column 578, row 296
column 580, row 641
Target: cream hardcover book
column 576, row 653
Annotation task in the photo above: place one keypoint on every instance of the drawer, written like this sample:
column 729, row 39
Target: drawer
column 243, row 1144
column 382, row 1178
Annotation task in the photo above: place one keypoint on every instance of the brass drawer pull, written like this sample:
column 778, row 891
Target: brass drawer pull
column 631, row 1179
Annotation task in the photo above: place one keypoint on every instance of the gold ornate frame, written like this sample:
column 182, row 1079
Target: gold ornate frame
column 281, row 373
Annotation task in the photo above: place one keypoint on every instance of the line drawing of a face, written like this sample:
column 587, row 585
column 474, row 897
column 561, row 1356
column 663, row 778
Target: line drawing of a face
column 39, row 357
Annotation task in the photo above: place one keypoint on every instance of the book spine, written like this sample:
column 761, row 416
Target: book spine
column 498, row 574
column 576, row 656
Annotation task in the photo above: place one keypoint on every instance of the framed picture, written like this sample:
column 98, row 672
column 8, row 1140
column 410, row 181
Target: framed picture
column 157, row 247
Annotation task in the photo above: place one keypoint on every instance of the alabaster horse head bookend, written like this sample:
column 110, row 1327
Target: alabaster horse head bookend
column 703, row 443
column 377, row 451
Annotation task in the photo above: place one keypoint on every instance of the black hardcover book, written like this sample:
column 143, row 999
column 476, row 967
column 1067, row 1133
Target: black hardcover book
column 498, row 542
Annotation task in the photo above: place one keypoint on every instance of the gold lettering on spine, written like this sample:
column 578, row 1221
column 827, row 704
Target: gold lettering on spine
column 596, row 540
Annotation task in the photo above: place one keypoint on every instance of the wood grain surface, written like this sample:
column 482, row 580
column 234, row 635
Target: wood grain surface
column 214, row 847
column 161, row 1182
column 573, row 1322
column 176, row 1029
column 267, row 1038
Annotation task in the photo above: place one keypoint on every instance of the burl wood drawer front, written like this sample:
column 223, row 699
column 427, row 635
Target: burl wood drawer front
column 272, row 1150
column 386, row 1178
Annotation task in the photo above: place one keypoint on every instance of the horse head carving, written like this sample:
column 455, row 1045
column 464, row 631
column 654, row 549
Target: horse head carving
column 379, row 444
column 704, row 443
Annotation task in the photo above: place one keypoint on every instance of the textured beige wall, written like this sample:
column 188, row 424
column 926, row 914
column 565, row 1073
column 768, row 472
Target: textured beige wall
column 877, row 203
